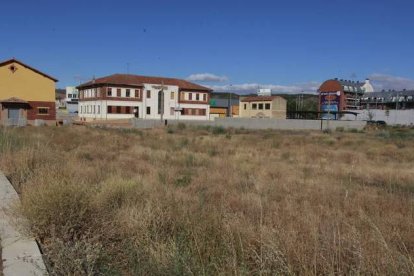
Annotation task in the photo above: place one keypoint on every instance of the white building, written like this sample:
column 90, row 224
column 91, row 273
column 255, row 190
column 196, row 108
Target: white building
column 367, row 86
column 71, row 93
column 72, row 98
column 122, row 96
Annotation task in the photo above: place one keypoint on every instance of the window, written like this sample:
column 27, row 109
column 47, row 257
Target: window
column 148, row 110
column 94, row 110
column 99, row 109
column 43, row 110
column 118, row 109
column 190, row 96
column 128, row 110
column 254, row 106
column 118, row 92
column 197, row 97
column 128, row 93
column 148, row 94
column 245, row 106
column 172, row 96
column 261, row 106
column 109, row 92
column 204, row 97
column 137, row 93
column 267, row 106
column 109, row 109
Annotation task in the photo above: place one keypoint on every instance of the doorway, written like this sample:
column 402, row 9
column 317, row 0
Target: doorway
column 13, row 116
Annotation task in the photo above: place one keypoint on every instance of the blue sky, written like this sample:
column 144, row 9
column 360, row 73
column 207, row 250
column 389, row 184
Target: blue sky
column 288, row 46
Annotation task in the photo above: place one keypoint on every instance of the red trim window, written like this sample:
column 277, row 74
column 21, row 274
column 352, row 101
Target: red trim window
column 109, row 93
column 137, row 94
column 190, row 96
column 118, row 92
column 204, row 97
column 128, row 93
column 197, row 96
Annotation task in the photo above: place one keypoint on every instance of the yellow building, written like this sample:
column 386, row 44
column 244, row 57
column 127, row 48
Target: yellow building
column 263, row 107
column 26, row 95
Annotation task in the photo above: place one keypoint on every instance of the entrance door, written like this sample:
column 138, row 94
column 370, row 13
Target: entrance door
column 14, row 116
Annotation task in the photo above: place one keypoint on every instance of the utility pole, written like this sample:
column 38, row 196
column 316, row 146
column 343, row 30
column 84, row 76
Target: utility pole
column 329, row 112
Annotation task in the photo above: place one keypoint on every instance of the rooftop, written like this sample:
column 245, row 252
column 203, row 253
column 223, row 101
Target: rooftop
column 137, row 80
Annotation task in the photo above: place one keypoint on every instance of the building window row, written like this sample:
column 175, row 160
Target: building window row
column 90, row 93
column 259, row 106
column 129, row 93
column 90, row 109
column 194, row 111
column 194, row 96
column 119, row 109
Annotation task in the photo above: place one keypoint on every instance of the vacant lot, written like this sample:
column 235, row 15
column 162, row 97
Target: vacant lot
column 214, row 201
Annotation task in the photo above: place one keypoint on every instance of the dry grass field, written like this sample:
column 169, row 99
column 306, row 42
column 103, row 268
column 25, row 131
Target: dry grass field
column 208, row 201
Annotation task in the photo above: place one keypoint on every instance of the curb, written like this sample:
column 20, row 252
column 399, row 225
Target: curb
column 20, row 254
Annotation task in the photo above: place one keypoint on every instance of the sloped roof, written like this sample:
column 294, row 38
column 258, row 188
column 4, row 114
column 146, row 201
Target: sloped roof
column 13, row 60
column 137, row 80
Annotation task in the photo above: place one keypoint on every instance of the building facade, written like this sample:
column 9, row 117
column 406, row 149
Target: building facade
column 72, row 99
column 224, row 104
column 123, row 96
column 27, row 96
column 263, row 107
column 337, row 96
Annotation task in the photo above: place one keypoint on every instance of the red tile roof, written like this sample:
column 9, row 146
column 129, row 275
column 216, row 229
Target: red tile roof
column 136, row 80
column 27, row 66
column 258, row 99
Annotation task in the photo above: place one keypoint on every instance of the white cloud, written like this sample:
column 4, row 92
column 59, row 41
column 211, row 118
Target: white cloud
column 383, row 81
column 207, row 77
column 246, row 88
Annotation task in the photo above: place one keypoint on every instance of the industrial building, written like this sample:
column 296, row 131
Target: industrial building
column 123, row 96
column 224, row 104
column 27, row 95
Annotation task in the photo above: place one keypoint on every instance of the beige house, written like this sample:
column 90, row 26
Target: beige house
column 263, row 107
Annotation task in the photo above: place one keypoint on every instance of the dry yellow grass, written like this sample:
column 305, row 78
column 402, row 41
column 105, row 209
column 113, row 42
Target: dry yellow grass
column 214, row 201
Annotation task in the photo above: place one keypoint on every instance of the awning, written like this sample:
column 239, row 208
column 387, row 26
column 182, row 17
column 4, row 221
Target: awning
column 14, row 100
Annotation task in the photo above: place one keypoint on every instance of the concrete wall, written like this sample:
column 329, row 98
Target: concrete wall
column 391, row 117
column 20, row 254
column 253, row 123
column 265, row 123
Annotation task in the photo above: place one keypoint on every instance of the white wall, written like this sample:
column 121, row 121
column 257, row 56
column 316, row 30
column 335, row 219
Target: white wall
column 86, row 109
column 395, row 117
column 73, row 91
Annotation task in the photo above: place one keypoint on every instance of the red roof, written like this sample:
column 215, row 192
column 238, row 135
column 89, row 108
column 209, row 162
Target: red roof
column 136, row 80
column 258, row 99
column 27, row 66
column 13, row 100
